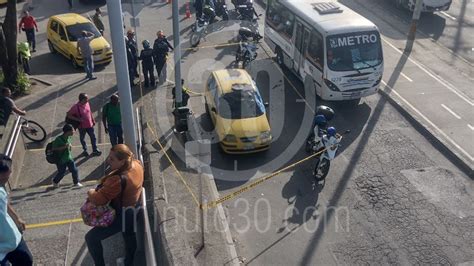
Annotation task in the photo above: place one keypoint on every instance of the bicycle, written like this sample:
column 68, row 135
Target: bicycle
column 32, row 130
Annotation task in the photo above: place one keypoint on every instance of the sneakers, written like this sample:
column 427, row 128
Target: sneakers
column 96, row 153
column 55, row 185
column 92, row 78
column 78, row 184
column 84, row 153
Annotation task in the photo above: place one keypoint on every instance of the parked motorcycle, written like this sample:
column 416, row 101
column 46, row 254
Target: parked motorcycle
column 245, row 9
column 200, row 26
column 247, row 50
column 24, row 56
column 221, row 10
column 328, row 146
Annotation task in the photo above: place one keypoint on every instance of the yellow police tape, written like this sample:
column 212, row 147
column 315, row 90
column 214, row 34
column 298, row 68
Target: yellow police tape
column 233, row 194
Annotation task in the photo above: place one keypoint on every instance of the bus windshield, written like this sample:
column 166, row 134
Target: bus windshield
column 354, row 51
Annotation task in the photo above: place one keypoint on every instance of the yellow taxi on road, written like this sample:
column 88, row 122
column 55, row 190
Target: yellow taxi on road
column 237, row 111
column 63, row 32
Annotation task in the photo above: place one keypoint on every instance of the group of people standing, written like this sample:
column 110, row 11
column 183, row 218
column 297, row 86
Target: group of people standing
column 151, row 57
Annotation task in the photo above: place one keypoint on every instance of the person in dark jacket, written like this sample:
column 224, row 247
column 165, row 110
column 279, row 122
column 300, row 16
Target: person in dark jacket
column 146, row 55
column 198, row 6
column 161, row 46
column 132, row 56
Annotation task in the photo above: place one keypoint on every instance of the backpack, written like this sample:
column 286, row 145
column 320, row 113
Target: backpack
column 51, row 156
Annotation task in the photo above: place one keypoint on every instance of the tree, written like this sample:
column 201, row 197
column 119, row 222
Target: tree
column 8, row 51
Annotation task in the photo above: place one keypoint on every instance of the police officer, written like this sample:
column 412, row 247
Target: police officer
column 161, row 46
column 146, row 55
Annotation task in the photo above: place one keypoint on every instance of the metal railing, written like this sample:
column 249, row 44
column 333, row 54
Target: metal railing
column 13, row 139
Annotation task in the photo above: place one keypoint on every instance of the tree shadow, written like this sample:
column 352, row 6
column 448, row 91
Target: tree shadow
column 353, row 161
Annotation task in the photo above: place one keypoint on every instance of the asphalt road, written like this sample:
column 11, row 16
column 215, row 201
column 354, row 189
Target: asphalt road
column 390, row 197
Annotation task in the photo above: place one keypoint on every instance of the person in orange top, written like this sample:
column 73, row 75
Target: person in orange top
column 124, row 166
column 28, row 24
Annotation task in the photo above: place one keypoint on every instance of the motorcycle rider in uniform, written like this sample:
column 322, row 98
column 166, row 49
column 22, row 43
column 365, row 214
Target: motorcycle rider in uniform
column 146, row 55
column 161, row 46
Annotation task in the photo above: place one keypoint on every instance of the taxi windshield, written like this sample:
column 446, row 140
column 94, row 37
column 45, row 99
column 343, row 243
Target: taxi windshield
column 74, row 32
column 242, row 102
column 354, row 51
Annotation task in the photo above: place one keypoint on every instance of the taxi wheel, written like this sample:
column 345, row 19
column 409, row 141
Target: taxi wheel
column 74, row 63
column 51, row 48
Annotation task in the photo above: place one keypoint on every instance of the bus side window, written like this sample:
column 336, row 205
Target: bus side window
column 315, row 50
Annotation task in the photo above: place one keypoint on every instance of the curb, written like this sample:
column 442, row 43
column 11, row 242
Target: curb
column 207, row 172
column 429, row 133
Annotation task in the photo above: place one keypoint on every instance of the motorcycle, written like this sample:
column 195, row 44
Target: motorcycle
column 328, row 147
column 221, row 10
column 245, row 9
column 200, row 26
column 247, row 51
column 24, row 56
column 328, row 114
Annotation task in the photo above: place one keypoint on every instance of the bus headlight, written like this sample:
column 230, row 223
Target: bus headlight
column 331, row 85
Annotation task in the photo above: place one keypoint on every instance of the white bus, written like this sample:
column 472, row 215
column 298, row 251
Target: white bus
column 331, row 48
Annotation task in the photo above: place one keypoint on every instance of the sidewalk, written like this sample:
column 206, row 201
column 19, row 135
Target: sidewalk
column 55, row 234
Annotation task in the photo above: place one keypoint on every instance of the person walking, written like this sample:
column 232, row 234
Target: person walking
column 7, row 106
column 62, row 147
column 13, row 248
column 84, row 49
column 146, row 55
column 112, row 120
column 28, row 24
column 81, row 112
column 198, row 6
column 122, row 188
column 161, row 47
column 97, row 19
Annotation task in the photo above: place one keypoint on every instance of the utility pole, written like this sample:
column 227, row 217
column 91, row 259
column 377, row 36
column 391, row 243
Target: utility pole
column 114, row 9
column 415, row 19
column 177, row 54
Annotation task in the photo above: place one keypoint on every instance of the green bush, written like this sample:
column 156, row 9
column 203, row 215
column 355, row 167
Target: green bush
column 23, row 83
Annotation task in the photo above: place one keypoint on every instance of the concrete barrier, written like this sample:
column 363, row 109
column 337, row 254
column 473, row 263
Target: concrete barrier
column 17, row 152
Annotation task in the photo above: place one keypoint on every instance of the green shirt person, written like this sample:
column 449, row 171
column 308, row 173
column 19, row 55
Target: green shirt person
column 62, row 145
column 112, row 120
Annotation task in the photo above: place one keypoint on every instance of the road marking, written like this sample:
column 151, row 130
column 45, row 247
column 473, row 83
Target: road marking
column 76, row 146
column 439, row 79
column 429, row 121
column 447, row 15
column 48, row 224
column 405, row 76
column 451, row 111
column 471, row 127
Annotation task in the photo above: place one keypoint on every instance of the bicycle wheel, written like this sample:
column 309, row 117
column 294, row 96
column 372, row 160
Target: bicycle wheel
column 33, row 131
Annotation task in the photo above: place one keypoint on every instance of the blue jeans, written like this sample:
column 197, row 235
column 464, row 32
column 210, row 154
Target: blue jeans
column 71, row 165
column 30, row 37
column 115, row 134
column 20, row 256
column 82, row 135
column 89, row 65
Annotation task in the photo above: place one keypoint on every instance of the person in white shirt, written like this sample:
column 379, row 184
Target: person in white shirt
column 13, row 248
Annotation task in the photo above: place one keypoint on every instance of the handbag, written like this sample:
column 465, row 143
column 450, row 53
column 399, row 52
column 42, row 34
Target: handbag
column 72, row 122
column 104, row 215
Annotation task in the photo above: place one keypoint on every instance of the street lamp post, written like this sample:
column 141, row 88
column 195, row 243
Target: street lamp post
column 114, row 9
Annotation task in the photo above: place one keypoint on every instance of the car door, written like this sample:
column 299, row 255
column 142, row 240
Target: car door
column 64, row 44
column 53, row 35
column 212, row 98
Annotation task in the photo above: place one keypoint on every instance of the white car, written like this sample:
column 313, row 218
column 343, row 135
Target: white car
column 428, row 5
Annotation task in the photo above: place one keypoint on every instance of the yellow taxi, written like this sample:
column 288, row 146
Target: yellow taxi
column 63, row 32
column 237, row 112
column 3, row 2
